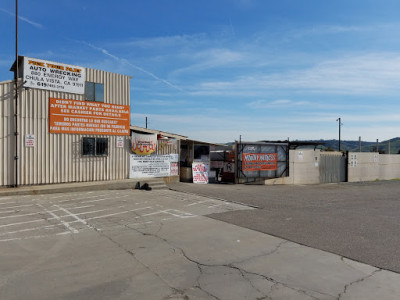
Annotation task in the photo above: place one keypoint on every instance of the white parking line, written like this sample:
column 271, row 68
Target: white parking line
column 140, row 223
column 216, row 205
column 20, row 223
column 81, row 198
column 56, row 197
column 66, row 224
column 168, row 211
column 97, row 200
column 199, row 202
column 119, row 213
column 30, row 229
column 38, row 213
column 13, row 202
column 7, row 211
column 79, row 207
column 17, row 216
column 34, row 237
column 75, row 216
column 24, row 205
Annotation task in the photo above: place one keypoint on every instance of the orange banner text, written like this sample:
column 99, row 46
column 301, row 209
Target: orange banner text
column 260, row 161
column 88, row 117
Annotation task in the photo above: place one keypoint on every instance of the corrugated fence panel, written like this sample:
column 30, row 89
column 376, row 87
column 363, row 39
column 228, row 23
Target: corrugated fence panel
column 332, row 168
column 57, row 158
column 167, row 147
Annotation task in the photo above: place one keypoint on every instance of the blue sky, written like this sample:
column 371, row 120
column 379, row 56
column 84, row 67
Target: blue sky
column 216, row 69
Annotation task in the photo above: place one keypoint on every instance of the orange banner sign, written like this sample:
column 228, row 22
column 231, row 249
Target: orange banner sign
column 88, row 117
column 260, row 161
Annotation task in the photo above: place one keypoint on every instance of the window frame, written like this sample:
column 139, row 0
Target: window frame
column 94, row 146
column 92, row 87
column 104, row 147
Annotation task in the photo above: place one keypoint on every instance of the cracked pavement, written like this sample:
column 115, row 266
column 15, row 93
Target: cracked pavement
column 161, row 245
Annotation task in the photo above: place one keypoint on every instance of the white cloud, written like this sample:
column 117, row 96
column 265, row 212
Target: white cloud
column 162, row 42
column 374, row 73
column 164, row 103
column 259, row 104
column 211, row 59
column 326, row 29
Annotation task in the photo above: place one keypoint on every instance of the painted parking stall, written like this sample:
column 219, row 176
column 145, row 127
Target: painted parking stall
column 35, row 217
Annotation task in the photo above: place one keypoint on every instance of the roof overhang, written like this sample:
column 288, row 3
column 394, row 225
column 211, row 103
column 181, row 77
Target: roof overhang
column 154, row 131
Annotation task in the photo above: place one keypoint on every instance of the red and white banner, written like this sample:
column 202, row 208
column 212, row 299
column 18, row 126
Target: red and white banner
column 200, row 172
column 144, row 144
column 174, row 169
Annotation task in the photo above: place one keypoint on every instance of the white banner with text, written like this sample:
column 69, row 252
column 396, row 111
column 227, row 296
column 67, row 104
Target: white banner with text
column 152, row 166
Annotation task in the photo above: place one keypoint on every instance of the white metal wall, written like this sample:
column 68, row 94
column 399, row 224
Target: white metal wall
column 6, row 133
column 57, row 158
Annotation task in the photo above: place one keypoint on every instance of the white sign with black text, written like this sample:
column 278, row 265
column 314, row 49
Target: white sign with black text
column 53, row 76
column 30, row 140
column 120, row 142
column 149, row 166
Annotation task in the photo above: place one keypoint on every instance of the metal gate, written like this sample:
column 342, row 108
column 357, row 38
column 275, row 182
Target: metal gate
column 279, row 164
column 333, row 167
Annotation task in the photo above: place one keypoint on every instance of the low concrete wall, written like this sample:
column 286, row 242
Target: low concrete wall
column 303, row 168
column 373, row 166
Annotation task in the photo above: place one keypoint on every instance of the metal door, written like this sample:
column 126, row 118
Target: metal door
column 333, row 167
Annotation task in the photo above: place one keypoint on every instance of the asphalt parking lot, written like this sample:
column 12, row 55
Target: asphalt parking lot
column 131, row 244
column 34, row 217
column 79, row 245
column 360, row 221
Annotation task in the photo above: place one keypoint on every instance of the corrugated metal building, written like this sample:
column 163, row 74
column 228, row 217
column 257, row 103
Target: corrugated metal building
column 45, row 157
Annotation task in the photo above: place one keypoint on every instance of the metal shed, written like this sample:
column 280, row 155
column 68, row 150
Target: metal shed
column 31, row 154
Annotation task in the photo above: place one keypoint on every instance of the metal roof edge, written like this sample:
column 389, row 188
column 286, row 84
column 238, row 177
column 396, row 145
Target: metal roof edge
column 7, row 81
column 148, row 130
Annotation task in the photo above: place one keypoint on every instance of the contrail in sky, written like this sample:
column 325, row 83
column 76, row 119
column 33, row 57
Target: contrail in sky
column 132, row 65
column 37, row 25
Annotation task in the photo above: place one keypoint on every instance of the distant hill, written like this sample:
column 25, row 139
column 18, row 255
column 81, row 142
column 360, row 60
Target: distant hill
column 353, row 146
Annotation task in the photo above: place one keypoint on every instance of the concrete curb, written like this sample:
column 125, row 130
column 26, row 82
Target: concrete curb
column 155, row 183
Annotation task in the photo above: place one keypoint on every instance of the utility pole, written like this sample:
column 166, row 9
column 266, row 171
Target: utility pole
column 146, row 122
column 359, row 144
column 16, row 71
column 340, row 125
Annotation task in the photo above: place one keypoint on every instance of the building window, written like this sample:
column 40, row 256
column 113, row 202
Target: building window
column 94, row 146
column 94, row 91
column 102, row 146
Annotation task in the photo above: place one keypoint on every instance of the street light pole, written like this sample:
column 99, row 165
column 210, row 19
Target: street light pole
column 340, row 125
column 16, row 71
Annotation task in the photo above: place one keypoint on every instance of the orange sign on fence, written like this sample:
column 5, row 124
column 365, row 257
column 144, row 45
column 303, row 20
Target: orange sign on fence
column 260, row 161
column 88, row 117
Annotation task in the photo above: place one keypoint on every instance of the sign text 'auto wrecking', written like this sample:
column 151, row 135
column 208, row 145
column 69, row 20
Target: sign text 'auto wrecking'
column 47, row 75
